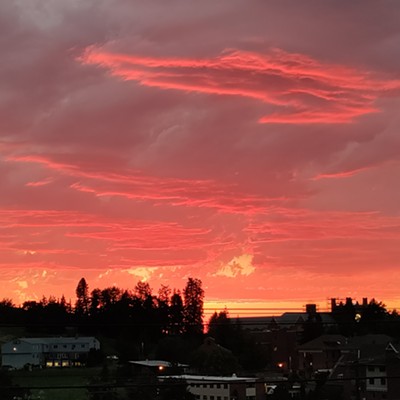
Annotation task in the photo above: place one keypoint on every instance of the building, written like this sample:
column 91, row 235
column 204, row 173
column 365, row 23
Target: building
column 368, row 369
column 158, row 367
column 381, row 374
column 321, row 353
column 221, row 387
column 48, row 352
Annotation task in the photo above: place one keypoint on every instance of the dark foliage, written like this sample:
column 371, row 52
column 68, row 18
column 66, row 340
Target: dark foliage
column 8, row 390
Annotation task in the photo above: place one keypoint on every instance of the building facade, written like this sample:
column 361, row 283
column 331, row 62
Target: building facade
column 222, row 387
column 48, row 352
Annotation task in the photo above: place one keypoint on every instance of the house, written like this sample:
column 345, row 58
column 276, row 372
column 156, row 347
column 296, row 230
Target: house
column 381, row 374
column 289, row 321
column 321, row 354
column 221, row 387
column 368, row 368
column 48, row 352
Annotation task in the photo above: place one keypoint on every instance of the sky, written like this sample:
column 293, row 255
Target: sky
column 254, row 145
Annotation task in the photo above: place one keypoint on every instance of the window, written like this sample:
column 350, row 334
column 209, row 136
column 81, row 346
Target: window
column 383, row 381
column 225, row 386
column 204, row 397
column 371, row 369
column 382, row 369
column 212, row 398
column 371, row 381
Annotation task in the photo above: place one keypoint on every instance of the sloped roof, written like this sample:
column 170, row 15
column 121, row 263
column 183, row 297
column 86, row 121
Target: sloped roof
column 57, row 340
column 156, row 363
column 210, row 378
column 371, row 339
column 257, row 323
column 152, row 363
column 291, row 318
column 325, row 342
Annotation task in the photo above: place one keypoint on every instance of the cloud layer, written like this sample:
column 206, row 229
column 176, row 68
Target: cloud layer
column 255, row 147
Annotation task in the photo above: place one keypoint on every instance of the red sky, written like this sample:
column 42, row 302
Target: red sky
column 254, row 145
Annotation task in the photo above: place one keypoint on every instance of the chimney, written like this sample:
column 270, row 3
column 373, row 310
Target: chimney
column 311, row 308
column 349, row 301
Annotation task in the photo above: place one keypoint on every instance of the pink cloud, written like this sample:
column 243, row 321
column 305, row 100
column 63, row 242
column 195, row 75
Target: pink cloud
column 177, row 192
column 180, row 139
column 308, row 91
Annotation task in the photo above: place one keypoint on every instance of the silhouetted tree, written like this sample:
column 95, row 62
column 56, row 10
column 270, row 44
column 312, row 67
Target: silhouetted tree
column 193, row 307
column 8, row 312
column 82, row 298
column 176, row 311
column 373, row 318
column 221, row 328
column 163, row 300
column 212, row 359
column 95, row 301
column 110, row 296
column 142, row 291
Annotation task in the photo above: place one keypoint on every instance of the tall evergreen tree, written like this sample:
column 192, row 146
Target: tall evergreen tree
column 176, row 314
column 193, row 295
column 221, row 328
column 82, row 298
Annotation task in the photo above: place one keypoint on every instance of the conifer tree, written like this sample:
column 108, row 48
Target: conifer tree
column 82, row 298
column 193, row 295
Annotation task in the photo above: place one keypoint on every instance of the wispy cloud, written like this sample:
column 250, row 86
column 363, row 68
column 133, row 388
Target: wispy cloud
column 302, row 89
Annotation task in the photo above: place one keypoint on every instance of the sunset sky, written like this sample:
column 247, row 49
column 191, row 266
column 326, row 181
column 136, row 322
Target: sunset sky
column 252, row 144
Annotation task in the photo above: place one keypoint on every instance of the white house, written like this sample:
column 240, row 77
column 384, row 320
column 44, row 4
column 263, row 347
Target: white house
column 221, row 387
column 49, row 352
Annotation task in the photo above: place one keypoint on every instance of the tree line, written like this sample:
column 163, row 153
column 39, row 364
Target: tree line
column 114, row 313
